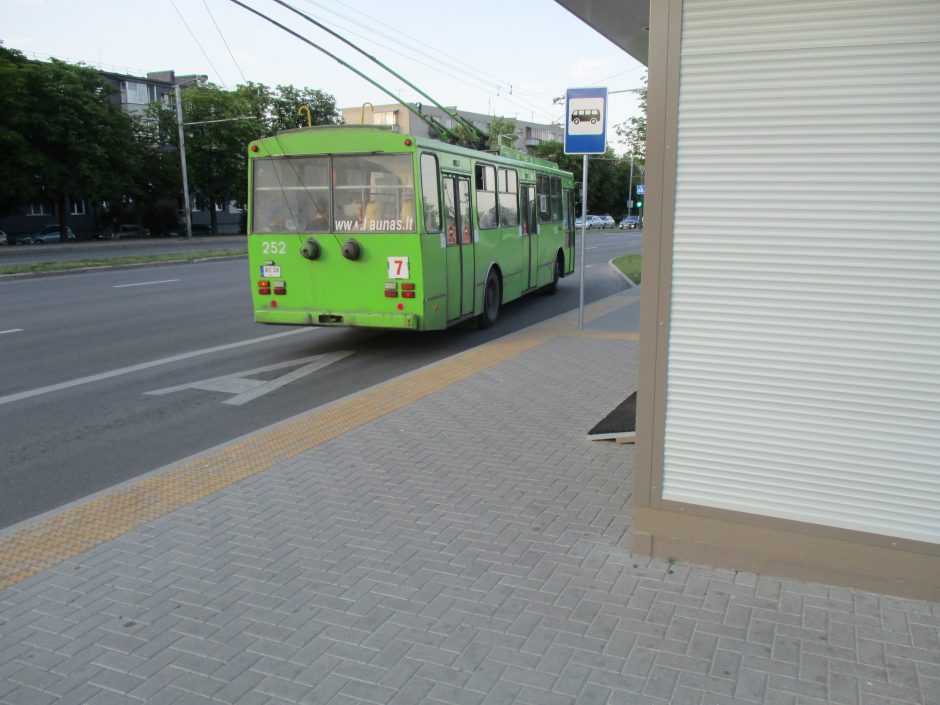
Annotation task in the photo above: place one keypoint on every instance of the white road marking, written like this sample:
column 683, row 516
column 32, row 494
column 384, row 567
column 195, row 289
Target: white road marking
column 246, row 389
column 12, row 330
column 144, row 366
column 162, row 281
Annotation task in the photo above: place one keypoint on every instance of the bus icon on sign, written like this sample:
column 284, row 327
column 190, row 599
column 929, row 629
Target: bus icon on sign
column 591, row 116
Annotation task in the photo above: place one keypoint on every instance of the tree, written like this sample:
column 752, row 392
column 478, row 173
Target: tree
column 632, row 132
column 286, row 101
column 607, row 176
column 73, row 140
column 16, row 186
column 499, row 127
column 216, row 158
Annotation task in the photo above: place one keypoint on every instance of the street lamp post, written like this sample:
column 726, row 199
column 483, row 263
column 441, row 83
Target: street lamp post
column 179, row 125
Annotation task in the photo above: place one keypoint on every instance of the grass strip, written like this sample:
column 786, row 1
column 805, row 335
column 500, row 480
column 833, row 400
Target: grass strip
column 631, row 265
column 41, row 267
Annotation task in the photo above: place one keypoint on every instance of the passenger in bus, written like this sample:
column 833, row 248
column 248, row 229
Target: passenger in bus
column 319, row 222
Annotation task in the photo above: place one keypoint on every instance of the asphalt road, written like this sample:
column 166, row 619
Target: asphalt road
column 82, row 355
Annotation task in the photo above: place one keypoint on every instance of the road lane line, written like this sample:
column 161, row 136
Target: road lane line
column 143, row 366
column 162, row 281
column 12, row 330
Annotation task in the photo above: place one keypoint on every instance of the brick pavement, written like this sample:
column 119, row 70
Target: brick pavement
column 470, row 547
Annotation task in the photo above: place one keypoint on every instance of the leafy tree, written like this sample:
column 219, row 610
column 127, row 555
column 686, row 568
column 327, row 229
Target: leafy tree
column 499, row 127
column 286, row 101
column 632, row 132
column 607, row 176
column 21, row 162
column 216, row 156
column 72, row 138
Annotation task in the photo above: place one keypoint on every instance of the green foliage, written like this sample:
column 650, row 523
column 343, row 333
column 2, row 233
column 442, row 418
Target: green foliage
column 63, row 136
column 608, row 177
column 285, row 104
column 498, row 128
column 632, row 133
column 67, row 137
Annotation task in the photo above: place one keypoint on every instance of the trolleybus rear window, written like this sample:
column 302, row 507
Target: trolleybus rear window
column 291, row 195
column 341, row 194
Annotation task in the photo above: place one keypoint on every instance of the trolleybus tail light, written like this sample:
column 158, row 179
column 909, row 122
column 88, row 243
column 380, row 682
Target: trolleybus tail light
column 391, row 290
column 264, row 287
column 280, row 288
column 408, row 291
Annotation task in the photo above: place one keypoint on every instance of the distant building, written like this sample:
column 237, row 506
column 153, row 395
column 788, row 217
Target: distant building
column 397, row 115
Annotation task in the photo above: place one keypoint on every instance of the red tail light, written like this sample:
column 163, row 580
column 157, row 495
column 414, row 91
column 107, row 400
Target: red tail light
column 408, row 294
column 391, row 290
column 280, row 288
column 264, row 287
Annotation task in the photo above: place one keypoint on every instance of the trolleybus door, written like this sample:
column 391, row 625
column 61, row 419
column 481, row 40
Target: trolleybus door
column 530, row 252
column 569, row 226
column 459, row 250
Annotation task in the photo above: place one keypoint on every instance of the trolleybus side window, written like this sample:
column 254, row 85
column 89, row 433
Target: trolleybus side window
column 291, row 195
column 556, row 199
column 543, row 187
column 486, row 196
column 508, row 198
column 370, row 193
column 430, row 193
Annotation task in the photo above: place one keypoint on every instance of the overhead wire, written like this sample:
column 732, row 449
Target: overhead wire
column 198, row 43
column 469, row 79
column 419, row 41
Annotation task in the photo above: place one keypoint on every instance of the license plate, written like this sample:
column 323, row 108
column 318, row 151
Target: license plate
column 270, row 271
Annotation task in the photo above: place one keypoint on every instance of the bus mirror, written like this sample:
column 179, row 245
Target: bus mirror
column 352, row 250
column 311, row 249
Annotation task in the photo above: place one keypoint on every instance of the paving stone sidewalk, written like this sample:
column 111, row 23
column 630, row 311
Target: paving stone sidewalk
column 471, row 548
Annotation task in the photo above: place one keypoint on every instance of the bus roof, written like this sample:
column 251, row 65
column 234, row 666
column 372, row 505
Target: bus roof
column 273, row 145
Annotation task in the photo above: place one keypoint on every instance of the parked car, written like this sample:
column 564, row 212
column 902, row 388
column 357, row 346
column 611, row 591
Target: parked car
column 594, row 222
column 3, row 238
column 125, row 230
column 609, row 221
column 630, row 222
column 49, row 234
column 180, row 231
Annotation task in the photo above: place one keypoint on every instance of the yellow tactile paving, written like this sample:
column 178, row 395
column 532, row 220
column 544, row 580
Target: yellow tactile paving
column 46, row 543
column 76, row 530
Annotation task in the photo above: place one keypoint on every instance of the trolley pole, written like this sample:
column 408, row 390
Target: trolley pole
column 179, row 124
column 583, row 238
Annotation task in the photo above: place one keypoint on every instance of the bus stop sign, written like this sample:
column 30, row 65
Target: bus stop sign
column 586, row 121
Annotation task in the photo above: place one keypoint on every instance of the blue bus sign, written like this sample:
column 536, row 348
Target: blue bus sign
column 586, row 123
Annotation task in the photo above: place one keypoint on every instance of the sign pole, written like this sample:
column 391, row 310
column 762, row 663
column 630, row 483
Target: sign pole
column 583, row 238
column 585, row 133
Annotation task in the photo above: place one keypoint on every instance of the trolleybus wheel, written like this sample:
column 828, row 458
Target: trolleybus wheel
column 491, row 298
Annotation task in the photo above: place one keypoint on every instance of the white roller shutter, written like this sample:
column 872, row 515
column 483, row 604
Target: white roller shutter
column 804, row 346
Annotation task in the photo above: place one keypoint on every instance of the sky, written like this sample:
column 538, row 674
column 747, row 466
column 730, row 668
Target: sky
column 503, row 57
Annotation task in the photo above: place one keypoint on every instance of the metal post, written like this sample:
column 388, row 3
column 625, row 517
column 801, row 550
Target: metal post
column 583, row 230
column 179, row 124
column 630, row 195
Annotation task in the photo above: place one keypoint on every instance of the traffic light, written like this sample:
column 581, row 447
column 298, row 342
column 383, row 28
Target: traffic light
column 639, row 204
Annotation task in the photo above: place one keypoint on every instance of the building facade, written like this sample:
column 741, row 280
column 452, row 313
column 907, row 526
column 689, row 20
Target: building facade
column 789, row 381
column 398, row 116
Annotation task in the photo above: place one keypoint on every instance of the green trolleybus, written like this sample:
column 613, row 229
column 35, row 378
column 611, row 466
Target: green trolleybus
column 362, row 226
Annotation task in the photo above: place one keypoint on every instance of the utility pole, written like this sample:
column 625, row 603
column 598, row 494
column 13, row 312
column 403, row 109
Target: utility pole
column 179, row 124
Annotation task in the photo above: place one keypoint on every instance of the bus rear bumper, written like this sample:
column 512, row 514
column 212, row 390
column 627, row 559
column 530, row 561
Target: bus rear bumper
column 345, row 319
